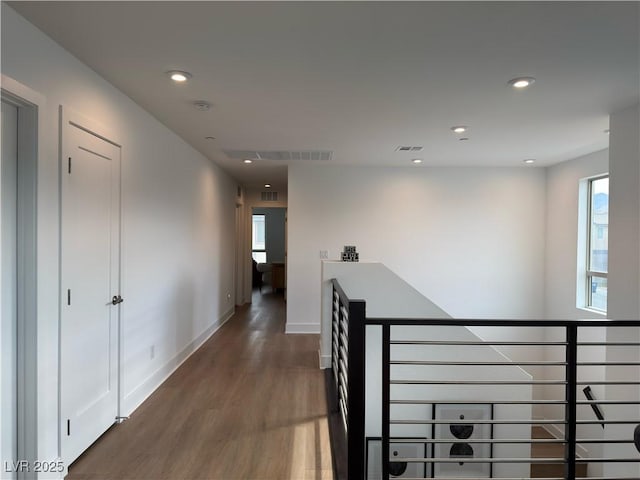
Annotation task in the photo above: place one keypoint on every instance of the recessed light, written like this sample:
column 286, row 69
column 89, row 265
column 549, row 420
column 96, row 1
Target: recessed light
column 179, row 76
column 521, row 82
column 459, row 129
column 202, row 106
column 210, row 138
column 267, row 185
column 463, row 139
column 417, row 160
column 529, row 161
column 247, row 160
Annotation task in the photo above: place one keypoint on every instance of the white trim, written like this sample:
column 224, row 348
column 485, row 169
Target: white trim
column 72, row 117
column 30, row 370
column 143, row 391
column 324, row 360
column 302, row 328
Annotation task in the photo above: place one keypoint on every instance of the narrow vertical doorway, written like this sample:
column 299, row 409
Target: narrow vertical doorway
column 18, row 279
column 9, row 289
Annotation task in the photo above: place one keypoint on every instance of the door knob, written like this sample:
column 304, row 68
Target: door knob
column 116, row 300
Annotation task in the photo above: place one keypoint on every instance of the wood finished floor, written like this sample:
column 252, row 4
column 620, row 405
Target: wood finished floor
column 249, row 404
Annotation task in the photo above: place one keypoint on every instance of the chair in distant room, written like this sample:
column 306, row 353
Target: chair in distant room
column 256, row 277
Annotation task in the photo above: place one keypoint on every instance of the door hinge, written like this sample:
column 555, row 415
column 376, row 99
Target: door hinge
column 68, row 427
column 69, row 297
column 69, row 165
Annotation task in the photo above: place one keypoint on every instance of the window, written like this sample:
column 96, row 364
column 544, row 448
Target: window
column 597, row 243
column 258, row 251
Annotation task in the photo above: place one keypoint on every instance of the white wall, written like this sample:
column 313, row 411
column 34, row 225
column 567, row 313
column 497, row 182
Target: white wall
column 562, row 233
column 475, row 234
column 624, row 276
column 562, row 211
column 177, row 225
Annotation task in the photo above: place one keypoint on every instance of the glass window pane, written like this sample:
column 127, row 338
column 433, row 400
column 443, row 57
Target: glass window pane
column 598, row 293
column 257, row 236
column 260, row 257
column 599, row 225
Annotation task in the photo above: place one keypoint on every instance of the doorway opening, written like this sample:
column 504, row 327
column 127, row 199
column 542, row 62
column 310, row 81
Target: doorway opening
column 18, row 352
column 269, row 249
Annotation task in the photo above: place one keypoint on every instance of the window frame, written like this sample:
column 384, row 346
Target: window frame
column 263, row 250
column 590, row 274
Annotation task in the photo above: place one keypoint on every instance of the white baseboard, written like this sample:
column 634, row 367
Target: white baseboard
column 302, row 328
column 325, row 360
column 134, row 399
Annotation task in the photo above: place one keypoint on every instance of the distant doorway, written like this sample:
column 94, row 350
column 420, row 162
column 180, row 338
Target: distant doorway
column 268, row 248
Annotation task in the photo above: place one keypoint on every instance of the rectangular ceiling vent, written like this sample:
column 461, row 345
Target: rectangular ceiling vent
column 269, row 196
column 408, row 148
column 286, row 155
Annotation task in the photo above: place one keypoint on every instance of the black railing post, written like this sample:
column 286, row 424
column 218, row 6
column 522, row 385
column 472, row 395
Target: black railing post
column 356, row 394
column 386, row 397
column 571, row 378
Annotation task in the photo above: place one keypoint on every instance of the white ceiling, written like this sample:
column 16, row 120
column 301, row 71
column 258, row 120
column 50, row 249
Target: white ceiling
column 362, row 78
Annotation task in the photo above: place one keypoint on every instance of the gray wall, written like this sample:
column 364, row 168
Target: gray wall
column 275, row 232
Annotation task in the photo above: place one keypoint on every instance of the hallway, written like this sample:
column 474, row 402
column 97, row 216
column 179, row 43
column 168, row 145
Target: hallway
column 249, row 404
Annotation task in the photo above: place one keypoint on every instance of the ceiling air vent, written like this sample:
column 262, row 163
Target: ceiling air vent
column 408, row 148
column 269, row 196
column 287, row 155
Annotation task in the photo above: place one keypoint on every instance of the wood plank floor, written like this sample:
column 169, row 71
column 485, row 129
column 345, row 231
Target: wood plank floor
column 249, row 404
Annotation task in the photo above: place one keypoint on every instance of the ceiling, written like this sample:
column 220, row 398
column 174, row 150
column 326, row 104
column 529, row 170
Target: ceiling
column 360, row 79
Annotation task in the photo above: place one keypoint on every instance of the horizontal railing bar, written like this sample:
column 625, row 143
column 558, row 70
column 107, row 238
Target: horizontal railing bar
column 343, row 350
column 343, row 381
column 607, row 402
column 608, row 364
column 477, row 460
column 595, row 440
column 496, row 402
column 456, row 343
column 607, row 422
column 343, row 360
column 495, row 322
column 500, row 478
column 608, row 344
column 554, row 441
column 480, row 422
column 608, row 383
column 488, row 382
column 518, row 478
column 344, row 329
column 343, row 393
column 607, row 460
column 508, row 364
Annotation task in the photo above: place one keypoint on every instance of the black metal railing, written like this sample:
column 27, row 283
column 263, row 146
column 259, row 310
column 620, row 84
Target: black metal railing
column 348, row 335
column 523, row 425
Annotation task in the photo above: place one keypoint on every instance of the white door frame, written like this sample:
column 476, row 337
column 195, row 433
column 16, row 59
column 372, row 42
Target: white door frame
column 69, row 116
column 31, row 130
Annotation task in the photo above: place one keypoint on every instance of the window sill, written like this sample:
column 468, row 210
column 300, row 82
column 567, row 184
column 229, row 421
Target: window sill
column 594, row 311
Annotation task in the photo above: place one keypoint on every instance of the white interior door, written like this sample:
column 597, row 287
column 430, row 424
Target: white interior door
column 90, row 263
column 8, row 284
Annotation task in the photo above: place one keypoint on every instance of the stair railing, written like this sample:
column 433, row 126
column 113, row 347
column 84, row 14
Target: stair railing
column 571, row 358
